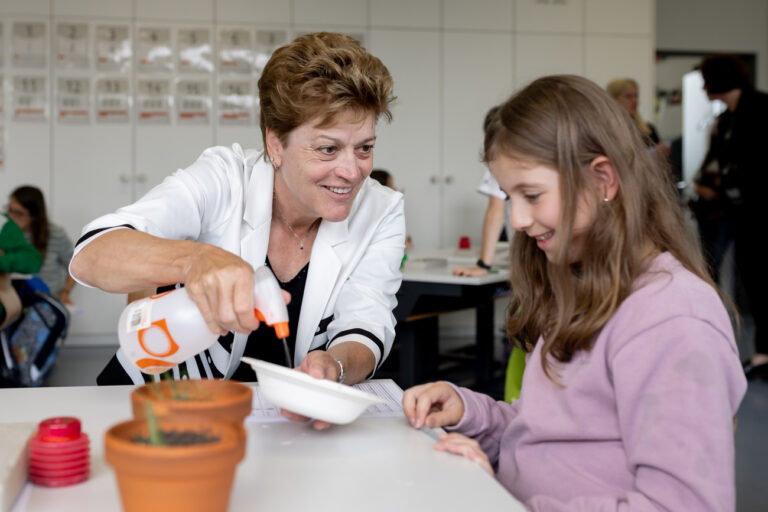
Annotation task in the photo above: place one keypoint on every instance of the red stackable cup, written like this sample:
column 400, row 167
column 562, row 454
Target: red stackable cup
column 464, row 242
column 59, row 454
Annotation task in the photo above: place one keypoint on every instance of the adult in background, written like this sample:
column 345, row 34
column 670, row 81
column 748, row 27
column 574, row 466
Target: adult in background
column 303, row 207
column 26, row 206
column 625, row 91
column 738, row 146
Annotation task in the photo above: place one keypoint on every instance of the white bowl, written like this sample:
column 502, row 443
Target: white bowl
column 315, row 398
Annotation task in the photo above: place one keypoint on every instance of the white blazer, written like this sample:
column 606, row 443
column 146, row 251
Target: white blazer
column 225, row 199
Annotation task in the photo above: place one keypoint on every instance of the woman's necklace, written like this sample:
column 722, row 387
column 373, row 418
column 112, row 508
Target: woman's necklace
column 285, row 221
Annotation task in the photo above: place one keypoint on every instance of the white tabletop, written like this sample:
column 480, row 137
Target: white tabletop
column 369, row 465
column 429, row 273
column 436, row 266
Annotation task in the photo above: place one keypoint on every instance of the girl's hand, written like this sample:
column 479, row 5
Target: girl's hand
column 435, row 404
column 320, row 365
column 462, row 445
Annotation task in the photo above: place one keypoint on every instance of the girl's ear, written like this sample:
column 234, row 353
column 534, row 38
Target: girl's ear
column 605, row 177
column 274, row 148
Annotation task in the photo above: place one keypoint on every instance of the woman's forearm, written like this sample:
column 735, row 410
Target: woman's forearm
column 492, row 224
column 125, row 260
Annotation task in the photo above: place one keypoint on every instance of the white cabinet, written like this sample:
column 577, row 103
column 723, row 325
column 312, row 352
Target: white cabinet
column 549, row 16
column 496, row 15
column 409, row 147
column 92, row 175
column 538, row 55
column 424, row 14
column 477, row 74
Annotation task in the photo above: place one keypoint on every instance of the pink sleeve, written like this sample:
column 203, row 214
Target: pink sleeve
column 484, row 420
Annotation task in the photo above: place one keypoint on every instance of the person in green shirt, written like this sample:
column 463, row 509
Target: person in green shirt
column 16, row 255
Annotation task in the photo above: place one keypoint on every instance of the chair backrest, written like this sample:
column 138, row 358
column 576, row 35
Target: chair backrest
column 514, row 378
column 10, row 301
column 31, row 343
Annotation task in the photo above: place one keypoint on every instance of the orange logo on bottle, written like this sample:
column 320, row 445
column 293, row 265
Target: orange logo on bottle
column 173, row 347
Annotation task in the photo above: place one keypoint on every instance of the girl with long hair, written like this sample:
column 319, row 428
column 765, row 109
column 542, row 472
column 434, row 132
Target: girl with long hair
column 633, row 374
column 26, row 206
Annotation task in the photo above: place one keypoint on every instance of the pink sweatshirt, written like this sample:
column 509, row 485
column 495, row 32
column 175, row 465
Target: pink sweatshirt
column 645, row 420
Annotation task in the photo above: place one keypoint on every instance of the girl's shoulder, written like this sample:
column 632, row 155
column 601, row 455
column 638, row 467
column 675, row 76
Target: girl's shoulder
column 666, row 292
column 666, row 279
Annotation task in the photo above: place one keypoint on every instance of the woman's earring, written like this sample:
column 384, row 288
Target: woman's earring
column 605, row 199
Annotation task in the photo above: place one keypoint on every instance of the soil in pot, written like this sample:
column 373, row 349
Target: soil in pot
column 179, row 438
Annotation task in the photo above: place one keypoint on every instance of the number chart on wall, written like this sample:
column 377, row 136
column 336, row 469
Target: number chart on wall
column 89, row 72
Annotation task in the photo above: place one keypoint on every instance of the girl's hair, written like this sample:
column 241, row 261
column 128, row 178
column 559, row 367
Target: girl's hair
column 564, row 123
column 31, row 198
column 616, row 88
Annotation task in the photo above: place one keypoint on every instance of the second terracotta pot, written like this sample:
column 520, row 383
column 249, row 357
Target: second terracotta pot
column 214, row 398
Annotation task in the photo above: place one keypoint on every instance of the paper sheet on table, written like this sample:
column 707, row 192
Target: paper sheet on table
column 383, row 388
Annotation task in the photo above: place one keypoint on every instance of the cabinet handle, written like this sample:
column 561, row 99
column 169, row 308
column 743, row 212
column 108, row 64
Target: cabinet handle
column 141, row 178
column 434, row 179
column 125, row 178
column 449, row 179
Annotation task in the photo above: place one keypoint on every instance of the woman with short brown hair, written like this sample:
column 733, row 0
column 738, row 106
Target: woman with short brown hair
column 303, row 206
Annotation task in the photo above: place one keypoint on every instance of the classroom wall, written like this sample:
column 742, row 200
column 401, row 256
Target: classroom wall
column 451, row 61
column 739, row 26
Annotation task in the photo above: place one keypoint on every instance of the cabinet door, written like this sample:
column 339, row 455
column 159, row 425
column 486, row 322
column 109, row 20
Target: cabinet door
column 92, row 175
column 27, row 147
column 409, row 147
column 477, row 74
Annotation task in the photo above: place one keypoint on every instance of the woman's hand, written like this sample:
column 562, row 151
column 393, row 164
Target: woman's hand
column 221, row 284
column 320, row 365
column 462, row 445
column 436, row 404
column 470, row 271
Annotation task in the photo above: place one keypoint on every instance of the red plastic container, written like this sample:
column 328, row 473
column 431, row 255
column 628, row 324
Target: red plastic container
column 59, row 454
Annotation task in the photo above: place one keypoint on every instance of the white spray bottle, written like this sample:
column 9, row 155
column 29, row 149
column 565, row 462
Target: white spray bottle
column 157, row 333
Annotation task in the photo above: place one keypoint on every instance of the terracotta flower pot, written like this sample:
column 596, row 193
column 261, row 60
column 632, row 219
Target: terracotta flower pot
column 183, row 478
column 213, row 398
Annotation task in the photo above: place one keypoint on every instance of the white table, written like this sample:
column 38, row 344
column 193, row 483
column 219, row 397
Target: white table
column 369, row 465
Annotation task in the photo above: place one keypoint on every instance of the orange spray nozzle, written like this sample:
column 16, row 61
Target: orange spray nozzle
column 281, row 328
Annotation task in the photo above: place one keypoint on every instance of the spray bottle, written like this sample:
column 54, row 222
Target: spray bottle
column 157, row 333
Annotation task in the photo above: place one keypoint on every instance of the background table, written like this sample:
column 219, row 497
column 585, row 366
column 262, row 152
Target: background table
column 369, row 465
column 428, row 290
